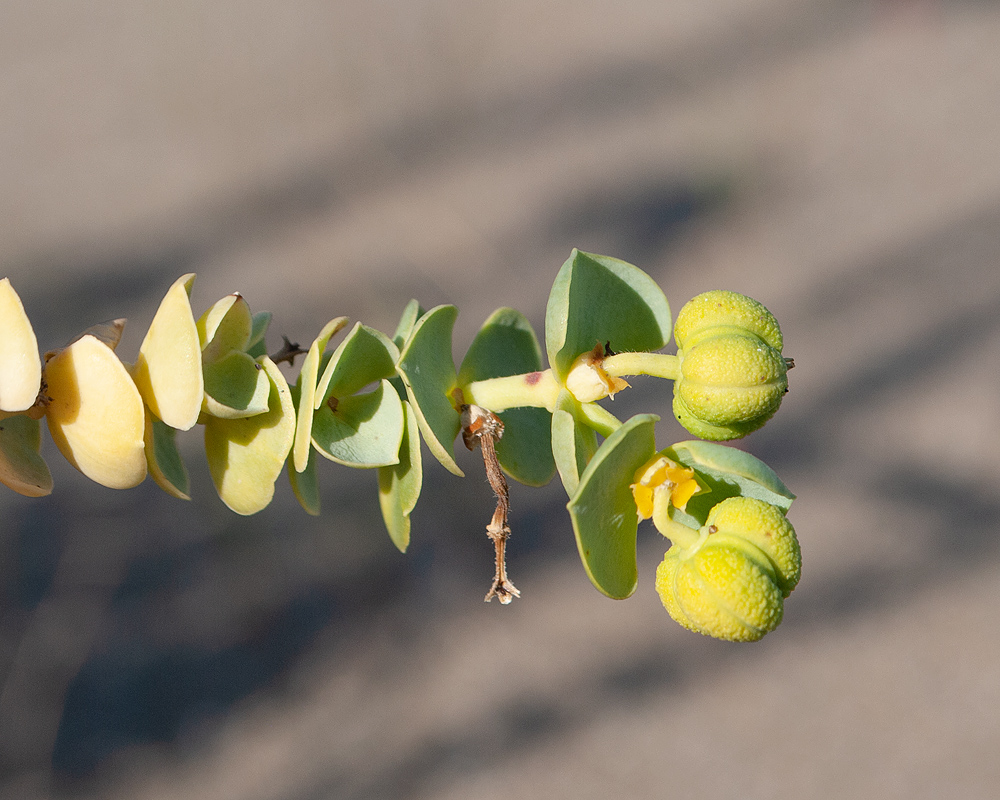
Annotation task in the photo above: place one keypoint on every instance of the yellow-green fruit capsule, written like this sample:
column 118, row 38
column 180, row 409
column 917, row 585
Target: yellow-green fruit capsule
column 733, row 376
column 732, row 582
column 730, row 385
column 725, row 308
column 719, row 591
column 766, row 527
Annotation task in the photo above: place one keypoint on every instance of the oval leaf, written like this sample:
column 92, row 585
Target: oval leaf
column 411, row 313
column 304, row 393
column 95, row 414
column 507, row 345
column 245, row 456
column 399, row 485
column 21, row 466
column 305, row 484
column 726, row 472
column 257, row 343
column 20, row 365
column 603, row 510
column 365, row 356
column 599, row 300
column 168, row 370
column 428, row 372
column 225, row 326
column 164, row 459
column 365, row 430
column 573, row 444
column 235, row 386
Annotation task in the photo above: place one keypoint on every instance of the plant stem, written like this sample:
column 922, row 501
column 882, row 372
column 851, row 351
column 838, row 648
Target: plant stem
column 600, row 419
column 659, row 365
column 677, row 532
column 485, row 428
column 534, row 389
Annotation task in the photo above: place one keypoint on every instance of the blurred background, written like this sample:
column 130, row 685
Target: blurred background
column 839, row 160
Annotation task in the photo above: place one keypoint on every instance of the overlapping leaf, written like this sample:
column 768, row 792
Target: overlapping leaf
column 598, row 300
column 245, row 455
column 428, row 372
column 726, row 472
column 168, row 371
column 573, row 444
column 506, row 345
column 603, row 510
column 20, row 365
column 21, row 466
column 399, row 484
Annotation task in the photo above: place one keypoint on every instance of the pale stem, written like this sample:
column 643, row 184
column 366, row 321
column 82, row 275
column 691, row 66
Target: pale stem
column 678, row 533
column 599, row 418
column 659, row 365
column 533, row 389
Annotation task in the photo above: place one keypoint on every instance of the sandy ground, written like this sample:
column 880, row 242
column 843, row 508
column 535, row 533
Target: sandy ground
column 838, row 160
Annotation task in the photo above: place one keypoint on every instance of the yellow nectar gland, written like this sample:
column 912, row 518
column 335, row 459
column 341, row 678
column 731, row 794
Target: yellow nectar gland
column 659, row 475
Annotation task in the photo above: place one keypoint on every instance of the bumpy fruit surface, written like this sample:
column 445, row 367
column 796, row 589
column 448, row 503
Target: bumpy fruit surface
column 732, row 583
column 767, row 528
column 733, row 376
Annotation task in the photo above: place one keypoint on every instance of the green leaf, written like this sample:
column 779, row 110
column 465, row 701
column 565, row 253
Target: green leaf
column 305, row 484
column 245, row 456
column 507, row 345
column 364, row 431
column 428, row 372
column 257, row 345
column 226, row 326
column 603, row 510
column 365, row 356
column 168, row 370
column 236, row 386
column 596, row 300
column 164, row 459
column 399, row 485
column 21, row 466
column 727, row 472
column 411, row 313
column 304, row 393
column 573, row 444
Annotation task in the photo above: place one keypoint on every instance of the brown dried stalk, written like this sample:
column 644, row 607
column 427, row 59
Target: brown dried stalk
column 485, row 427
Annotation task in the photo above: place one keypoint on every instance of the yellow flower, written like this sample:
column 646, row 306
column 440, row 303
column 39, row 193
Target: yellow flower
column 665, row 480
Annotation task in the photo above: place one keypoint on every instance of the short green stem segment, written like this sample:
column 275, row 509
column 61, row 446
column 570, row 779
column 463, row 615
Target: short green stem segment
column 680, row 534
column 599, row 418
column 659, row 365
column 533, row 389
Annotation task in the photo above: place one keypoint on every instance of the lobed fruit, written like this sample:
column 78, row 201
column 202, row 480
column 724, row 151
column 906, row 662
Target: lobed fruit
column 723, row 308
column 732, row 582
column 732, row 374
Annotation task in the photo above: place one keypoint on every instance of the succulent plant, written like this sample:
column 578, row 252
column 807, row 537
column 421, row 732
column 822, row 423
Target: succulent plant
column 369, row 401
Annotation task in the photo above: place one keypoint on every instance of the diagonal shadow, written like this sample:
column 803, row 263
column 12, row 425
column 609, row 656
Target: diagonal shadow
column 513, row 121
column 649, row 215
